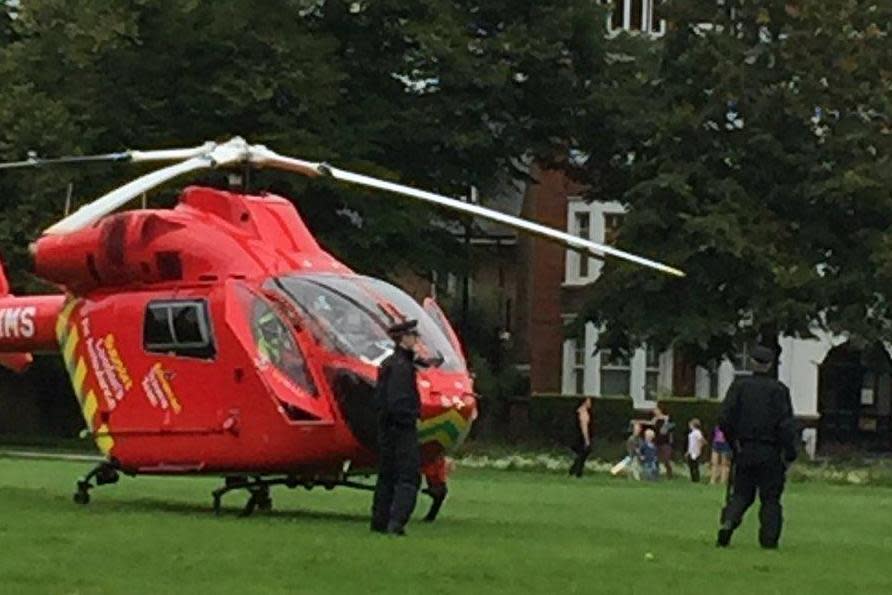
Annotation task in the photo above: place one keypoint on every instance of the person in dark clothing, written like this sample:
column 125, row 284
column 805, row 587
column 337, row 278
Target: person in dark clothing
column 583, row 446
column 663, row 427
column 757, row 419
column 399, row 458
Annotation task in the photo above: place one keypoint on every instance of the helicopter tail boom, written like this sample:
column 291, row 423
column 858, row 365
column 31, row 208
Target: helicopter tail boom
column 27, row 325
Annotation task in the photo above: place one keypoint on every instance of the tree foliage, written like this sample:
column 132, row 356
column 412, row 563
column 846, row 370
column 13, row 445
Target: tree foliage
column 431, row 92
column 761, row 166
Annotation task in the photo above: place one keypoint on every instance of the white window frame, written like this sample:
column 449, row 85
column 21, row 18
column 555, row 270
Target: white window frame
column 575, row 209
column 588, row 369
column 721, row 374
column 655, row 371
column 745, row 367
column 597, row 211
column 451, row 284
column 636, row 368
column 577, row 368
column 627, row 368
column 647, row 11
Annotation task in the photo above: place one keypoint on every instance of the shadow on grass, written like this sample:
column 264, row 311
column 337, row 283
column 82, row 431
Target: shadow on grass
column 32, row 499
column 154, row 505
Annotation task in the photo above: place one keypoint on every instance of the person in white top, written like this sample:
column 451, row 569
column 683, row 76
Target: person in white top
column 696, row 442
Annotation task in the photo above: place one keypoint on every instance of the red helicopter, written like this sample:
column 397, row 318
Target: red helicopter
column 219, row 338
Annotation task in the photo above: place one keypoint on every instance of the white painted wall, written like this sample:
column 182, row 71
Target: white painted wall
column 799, row 363
column 799, row 359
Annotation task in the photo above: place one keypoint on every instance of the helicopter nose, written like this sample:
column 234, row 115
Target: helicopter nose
column 464, row 404
column 446, row 419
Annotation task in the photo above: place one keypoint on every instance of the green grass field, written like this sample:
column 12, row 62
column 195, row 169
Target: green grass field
column 499, row 532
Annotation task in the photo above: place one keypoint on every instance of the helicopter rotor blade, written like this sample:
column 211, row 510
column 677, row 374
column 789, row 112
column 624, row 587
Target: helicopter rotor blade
column 263, row 157
column 219, row 155
column 569, row 240
column 236, row 150
column 124, row 156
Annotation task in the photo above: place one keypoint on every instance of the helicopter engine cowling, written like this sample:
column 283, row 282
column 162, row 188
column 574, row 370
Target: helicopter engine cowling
column 137, row 249
column 210, row 235
column 113, row 253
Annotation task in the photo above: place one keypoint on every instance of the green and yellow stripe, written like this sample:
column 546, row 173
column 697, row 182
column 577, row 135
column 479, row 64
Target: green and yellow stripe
column 449, row 429
column 69, row 339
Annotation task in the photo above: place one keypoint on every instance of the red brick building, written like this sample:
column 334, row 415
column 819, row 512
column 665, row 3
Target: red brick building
column 551, row 292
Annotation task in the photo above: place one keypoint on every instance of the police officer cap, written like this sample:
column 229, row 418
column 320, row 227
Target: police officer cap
column 763, row 355
column 408, row 327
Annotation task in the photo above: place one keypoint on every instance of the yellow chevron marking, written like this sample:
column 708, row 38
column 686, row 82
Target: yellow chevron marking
column 80, row 374
column 451, row 415
column 69, row 337
column 439, row 436
column 90, row 407
column 64, row 317
column 70, row 345
column 103, row 440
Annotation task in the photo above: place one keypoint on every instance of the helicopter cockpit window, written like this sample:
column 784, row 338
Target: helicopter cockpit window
column 180, row 327
column 351, row 314
column 276, row 345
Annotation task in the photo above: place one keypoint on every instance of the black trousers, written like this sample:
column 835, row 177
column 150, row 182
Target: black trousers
column 582, row 454
column 767, row 477
column 399, row 475
column 694, row 466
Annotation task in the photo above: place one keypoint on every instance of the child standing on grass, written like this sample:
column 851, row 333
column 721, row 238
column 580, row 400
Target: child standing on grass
column 630, row 462
column 696, row 442
column 721, row 458
column 650, row 464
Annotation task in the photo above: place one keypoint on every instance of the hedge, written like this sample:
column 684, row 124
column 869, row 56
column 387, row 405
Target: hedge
column 553, row 416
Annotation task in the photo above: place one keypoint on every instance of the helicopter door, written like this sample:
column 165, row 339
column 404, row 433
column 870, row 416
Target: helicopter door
column 434, row 311
column 274, row 343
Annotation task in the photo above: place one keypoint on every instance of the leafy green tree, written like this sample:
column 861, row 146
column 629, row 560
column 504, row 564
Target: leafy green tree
column 431, row 92
column 761, row 166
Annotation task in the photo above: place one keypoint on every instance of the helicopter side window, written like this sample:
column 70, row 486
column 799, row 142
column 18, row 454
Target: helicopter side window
column 179, row 328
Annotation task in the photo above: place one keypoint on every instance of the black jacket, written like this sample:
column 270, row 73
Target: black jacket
column 396, row 393
column 757, row 417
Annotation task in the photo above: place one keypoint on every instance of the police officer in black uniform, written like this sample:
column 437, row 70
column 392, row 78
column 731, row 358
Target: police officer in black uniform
column 757, row 418
column 399, row 458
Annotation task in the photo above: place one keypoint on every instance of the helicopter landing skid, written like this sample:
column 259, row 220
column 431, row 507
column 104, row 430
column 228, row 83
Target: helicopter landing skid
column 260, row 499
column 258, row 488
column 104, row 473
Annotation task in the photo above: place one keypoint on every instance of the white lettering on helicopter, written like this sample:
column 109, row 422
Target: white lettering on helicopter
column 111, row 374
column 159, row 391
column 17, row 323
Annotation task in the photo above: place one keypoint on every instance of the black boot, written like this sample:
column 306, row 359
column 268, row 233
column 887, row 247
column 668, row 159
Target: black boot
column 724, row 536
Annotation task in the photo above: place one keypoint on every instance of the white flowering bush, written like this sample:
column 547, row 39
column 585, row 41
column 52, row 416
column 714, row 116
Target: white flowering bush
column 529, row 462
column 868, row 474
